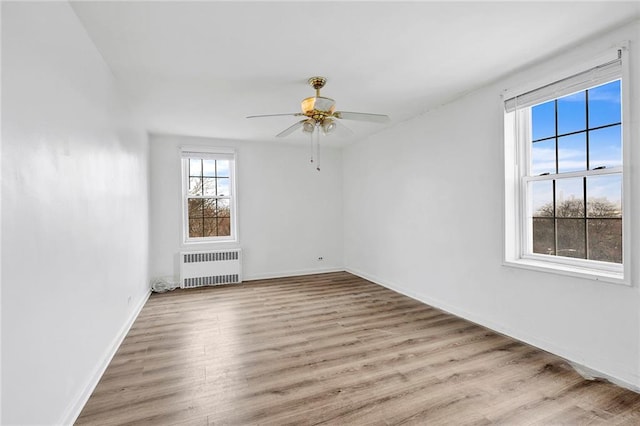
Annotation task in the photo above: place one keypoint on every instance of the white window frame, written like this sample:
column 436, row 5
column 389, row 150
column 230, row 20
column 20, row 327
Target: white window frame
column 517, row 146
column 211, row 153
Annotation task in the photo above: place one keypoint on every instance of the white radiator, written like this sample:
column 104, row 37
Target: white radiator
column 202, row 268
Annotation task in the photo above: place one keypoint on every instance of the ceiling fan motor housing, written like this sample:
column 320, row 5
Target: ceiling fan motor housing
column 318, row 105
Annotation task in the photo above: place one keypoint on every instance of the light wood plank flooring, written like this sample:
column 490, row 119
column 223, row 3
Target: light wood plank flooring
column 334, row 349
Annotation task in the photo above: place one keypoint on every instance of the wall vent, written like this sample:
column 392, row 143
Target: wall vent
column 205, row 268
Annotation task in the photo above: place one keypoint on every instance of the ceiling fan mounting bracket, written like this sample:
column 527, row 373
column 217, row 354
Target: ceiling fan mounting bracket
column 317, row 82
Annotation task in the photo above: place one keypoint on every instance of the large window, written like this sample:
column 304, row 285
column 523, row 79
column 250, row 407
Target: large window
column 575, row 178
column 564, row 159
column 209, row 196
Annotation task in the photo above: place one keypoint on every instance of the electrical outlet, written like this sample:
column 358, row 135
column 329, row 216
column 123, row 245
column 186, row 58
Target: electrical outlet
column 320, row 258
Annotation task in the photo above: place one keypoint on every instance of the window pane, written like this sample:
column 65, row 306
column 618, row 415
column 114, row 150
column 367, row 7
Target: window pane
column 195, row 228
column 224, row 226
column 223, row 208
column 195, row 208
column 572, row 113
column 570, row 234
column 209, row 168
column 209, row 186
column 195, row 167
column 572, row 153
column 542, row 198
column 544, row 236
column 604, row 196
column 210, row 228
column 195, row 186
column 605, row 147
column 543, row 119
column 223, row 168
column 209, row 207
column 570, row 197
column 605, row 239
column 604, row 104
column 223, row 187
column 543, row 157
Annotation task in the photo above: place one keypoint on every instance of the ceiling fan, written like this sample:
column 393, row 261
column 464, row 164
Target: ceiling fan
column 321, row 116
column 320, row 113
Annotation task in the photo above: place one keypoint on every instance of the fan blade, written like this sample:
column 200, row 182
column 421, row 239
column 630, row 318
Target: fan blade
column 289, row 130
column 295, row 114
column 362, row 116
column 342, row 130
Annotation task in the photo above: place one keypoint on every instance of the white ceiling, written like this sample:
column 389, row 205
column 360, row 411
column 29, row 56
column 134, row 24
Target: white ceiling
column 199, row 68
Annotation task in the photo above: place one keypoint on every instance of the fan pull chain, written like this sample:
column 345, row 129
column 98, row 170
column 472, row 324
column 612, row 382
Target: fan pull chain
column 311, row 146
column 318, row 148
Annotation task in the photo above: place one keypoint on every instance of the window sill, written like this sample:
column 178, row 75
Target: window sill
column 569, row 270
column 211, row 242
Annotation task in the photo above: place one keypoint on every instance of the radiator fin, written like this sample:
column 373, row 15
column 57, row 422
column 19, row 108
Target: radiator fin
column 212, row 280
column 214, row 256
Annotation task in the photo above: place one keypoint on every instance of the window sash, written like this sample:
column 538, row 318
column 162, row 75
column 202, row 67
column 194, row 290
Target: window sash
column 212, row 197
column 527, row 217
column 567, row 175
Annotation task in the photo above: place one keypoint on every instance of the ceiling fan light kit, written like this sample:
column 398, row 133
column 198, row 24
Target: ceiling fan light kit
column 321, row 116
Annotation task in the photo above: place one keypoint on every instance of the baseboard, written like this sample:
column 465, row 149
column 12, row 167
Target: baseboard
column 74, row 410
column 295, row 273
column 585, row 371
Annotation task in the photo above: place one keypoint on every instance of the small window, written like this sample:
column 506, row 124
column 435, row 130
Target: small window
column 565, row 204
column 208, row 196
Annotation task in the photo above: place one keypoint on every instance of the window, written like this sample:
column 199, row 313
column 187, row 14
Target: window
column 565, row 207
column 209, row 196
column 575, row 175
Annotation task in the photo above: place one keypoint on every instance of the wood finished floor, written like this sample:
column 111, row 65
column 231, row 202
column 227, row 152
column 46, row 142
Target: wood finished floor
column 334, row 349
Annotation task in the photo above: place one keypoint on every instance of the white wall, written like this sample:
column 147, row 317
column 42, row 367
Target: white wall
column 74, row 214
column 288, row 213
column 430, row 226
